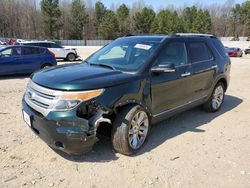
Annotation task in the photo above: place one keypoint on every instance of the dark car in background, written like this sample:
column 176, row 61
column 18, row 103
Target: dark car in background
column 24, row 59
column 127, row 86
column 234, row 52
column 247, row 50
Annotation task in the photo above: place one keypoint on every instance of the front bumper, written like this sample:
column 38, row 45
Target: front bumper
column 62, row 130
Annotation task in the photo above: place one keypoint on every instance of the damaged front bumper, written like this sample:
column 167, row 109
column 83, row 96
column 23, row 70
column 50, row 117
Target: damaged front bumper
column 64, row 130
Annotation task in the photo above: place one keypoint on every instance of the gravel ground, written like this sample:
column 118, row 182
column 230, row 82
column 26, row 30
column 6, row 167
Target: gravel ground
column 193, row 149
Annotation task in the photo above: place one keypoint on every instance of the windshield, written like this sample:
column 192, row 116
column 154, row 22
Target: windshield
column 125, row 54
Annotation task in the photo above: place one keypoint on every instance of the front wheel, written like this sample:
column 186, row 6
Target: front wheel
column 130, row 130
column 215, row 101
column 71, row 57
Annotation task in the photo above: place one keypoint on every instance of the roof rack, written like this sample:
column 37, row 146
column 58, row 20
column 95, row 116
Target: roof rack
column 194, row 34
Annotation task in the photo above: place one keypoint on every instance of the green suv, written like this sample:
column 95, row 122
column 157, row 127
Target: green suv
column 128, row 85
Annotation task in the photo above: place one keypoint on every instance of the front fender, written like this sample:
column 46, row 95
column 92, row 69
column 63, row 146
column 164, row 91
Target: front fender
column 134, row 92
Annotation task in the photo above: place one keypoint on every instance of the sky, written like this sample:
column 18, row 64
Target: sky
column 159, row 4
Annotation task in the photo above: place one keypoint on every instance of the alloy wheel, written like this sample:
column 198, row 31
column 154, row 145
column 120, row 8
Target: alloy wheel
column 138, row 130
column 218, row 96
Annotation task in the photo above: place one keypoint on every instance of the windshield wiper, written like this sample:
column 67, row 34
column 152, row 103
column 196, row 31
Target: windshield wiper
column 103, row 65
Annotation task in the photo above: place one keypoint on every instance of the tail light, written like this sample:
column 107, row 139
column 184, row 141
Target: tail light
column 52, row 54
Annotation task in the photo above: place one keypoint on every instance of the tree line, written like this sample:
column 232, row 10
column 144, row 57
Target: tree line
column 78, row 19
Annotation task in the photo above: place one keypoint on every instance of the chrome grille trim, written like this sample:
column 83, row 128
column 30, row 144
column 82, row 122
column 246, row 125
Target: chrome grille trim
column 40, row 98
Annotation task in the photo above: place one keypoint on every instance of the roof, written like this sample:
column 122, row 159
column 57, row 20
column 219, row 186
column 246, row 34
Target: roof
column 160, row 36
column 34, row 41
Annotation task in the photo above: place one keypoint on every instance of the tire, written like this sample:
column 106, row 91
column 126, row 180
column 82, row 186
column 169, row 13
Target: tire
column 215, row 101
column 47, row 65
column 126, row 135
column 71, row 57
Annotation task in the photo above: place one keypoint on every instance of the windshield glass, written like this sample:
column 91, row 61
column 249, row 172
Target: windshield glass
column 125, row 54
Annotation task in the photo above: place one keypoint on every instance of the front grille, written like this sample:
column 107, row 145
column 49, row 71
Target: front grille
column 40, row 98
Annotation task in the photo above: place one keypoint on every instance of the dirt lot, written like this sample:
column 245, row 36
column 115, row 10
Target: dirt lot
column 193, row 149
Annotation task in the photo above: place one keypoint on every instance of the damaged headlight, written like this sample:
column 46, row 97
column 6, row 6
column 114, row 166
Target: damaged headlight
column 66, row 104
column 69, row 100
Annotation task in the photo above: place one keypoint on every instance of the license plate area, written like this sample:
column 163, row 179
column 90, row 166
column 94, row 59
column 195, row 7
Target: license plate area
column 26, row 118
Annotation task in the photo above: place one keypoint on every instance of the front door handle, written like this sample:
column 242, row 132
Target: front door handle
column 186, row 74
column 214, row 67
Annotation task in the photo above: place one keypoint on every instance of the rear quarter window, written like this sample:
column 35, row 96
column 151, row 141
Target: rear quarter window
column 199, row 52
column 45, row 45
column 52, row 45
column 219, row 47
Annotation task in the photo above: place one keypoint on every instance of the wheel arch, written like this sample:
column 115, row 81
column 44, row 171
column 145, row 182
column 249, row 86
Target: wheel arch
column 133, row 103
column 70, row 53
column 224, row 81
column 45, row 64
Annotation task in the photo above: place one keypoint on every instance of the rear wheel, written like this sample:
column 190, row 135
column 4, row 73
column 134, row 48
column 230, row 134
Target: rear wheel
column 47, row 65
column 215, row 101
column 130, row 130
column 71, row 57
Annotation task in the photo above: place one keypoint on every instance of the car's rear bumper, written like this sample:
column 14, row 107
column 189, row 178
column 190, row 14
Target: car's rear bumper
column 64, row 132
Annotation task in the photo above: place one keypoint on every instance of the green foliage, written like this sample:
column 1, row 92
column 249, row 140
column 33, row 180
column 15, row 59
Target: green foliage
column 167, row 22
column 202, row 22
column 245, row 15
column 189, row 15
column 196, row 21
column 100, row 11
column 108, row 28
column 78, row 19
column 123, row 20
column 51, row 18
column 143, row 20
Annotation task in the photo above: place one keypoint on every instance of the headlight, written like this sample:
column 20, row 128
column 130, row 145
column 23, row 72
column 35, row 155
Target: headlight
column 66, row 104
column 69, row 100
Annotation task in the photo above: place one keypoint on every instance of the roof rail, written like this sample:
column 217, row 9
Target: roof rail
column 194, row 34
column 143, row 34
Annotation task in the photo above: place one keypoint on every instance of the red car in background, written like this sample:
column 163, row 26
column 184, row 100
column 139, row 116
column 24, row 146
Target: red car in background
column 234, row 52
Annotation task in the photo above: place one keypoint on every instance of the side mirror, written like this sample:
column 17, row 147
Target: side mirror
column 163, row 69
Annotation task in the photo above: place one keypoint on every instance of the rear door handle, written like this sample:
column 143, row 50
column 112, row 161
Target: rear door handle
column 186, row 74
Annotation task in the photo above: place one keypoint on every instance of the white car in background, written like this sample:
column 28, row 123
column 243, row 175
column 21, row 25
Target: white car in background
column 69, row 54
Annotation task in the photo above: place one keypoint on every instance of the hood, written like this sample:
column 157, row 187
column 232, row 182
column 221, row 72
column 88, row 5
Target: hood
column 76, row 77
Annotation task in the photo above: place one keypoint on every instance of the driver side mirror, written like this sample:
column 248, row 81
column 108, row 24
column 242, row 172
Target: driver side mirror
column 163, row 68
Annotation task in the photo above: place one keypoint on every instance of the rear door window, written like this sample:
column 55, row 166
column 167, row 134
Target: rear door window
column 199, row 52
column 32, row 51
